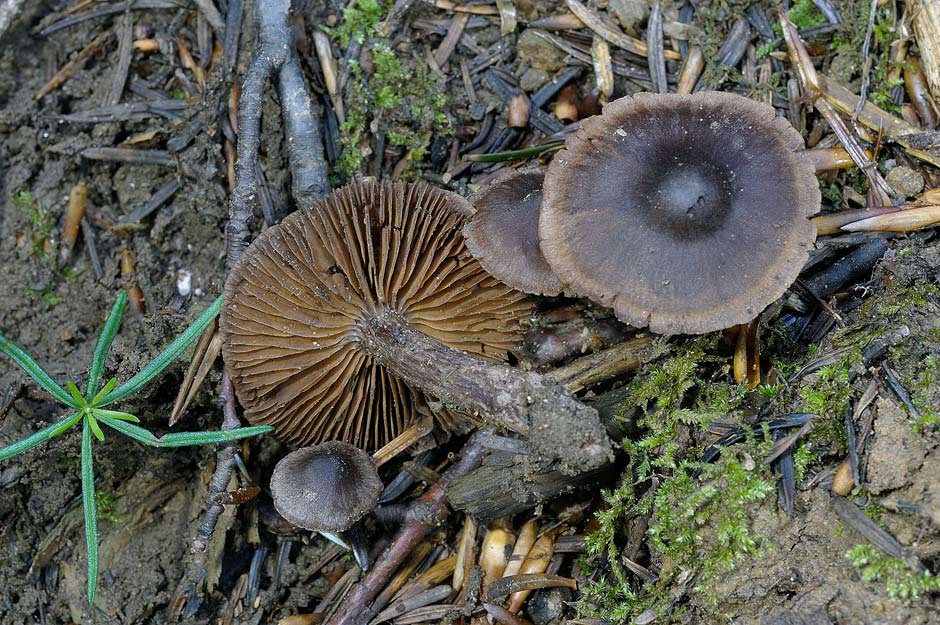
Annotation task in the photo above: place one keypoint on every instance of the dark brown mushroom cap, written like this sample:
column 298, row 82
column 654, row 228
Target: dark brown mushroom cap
column 682, row 213
column 326, row 487
column 295, row 305
column 503, row 233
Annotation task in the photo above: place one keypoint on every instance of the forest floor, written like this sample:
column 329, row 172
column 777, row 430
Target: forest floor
column 718, row 540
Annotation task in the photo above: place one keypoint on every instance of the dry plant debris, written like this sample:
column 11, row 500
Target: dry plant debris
column 830, row 388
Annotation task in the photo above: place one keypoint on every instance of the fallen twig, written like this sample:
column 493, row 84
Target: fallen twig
column 275, row 54
column 425, row 513
column 811, row 86
column 108, row 9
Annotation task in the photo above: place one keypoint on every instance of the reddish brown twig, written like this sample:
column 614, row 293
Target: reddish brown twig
column 424, row 514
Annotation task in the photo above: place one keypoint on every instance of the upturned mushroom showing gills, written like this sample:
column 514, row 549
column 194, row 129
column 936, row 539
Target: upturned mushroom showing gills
column 337, row 321
column 503, row 233
column 298, row 307
column 684, row 214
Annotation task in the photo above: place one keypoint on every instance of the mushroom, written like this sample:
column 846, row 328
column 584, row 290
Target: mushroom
column 328, row 488
column 685, row 214
column 503, row 233
column 339, row 320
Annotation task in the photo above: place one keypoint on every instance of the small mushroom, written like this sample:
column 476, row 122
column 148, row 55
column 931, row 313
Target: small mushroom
column 339, row 320
column 685, row 214
column 503, row 233
column 328, row 488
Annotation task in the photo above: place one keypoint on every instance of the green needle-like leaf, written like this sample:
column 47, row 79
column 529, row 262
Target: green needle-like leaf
column 139, row 434
column 180, row 439
column 75, row 393
column 166, row 357
column 107, row 388
column 91, row 512
column 185, row 439
column 36, row 372
column 95, row 428
column 39, row 437
column 114, row 414
column 103, row 346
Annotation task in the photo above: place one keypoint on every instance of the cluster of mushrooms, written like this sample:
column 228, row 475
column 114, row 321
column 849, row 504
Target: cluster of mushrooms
column 389, row 304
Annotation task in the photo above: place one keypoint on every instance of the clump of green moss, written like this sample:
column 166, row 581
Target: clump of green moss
column 827, row 393
column 403, row 98
column 804, row 457
column 927, row 380
column 850, row 42
column 42, row 246
column 106, row 504
column 699, row 516
column 617, row 597
column 360, row 22
column 702, row 515
column 41, row 223
column 805, row 14
column 914, row 356
column 900, row 581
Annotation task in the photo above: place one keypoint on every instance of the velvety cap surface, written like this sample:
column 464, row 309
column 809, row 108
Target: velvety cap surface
column 503, row 233
column 685, row 214
column 327, row 487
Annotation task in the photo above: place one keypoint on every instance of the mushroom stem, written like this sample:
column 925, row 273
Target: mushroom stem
column 554, row 423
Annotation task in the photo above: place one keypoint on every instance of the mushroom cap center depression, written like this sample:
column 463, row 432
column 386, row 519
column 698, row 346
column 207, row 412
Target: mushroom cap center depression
column 684, row 214
column 691, row 200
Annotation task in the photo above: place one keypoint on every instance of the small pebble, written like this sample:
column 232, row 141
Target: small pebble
column 536, row 52
column 905, row 181
column 533, row 78
column 631, row 13
column 184, row 282
column 547, row 606
column 842, row 483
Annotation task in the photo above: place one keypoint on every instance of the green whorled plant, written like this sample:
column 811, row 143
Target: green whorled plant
column 90, row 410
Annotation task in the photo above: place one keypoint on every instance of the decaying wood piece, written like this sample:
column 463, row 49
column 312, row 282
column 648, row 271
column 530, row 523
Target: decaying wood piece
column 508, row 484
column 925, row 19
column 603, row 365
column 554, row 424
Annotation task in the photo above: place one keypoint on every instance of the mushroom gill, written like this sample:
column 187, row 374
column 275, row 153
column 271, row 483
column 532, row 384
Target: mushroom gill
column 298, row 303
column 685, row 214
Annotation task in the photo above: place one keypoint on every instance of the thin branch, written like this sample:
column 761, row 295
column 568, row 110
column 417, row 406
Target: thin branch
column 273, row 37
column 304, row 137
column 425, row 513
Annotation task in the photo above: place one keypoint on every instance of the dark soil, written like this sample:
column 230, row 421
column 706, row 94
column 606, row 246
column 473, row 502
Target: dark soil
column 155, row 497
